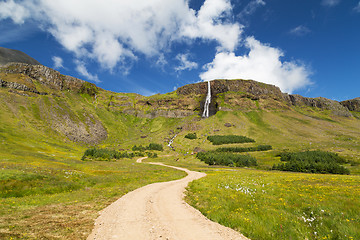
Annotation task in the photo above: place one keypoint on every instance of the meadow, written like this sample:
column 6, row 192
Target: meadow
column 279, row 205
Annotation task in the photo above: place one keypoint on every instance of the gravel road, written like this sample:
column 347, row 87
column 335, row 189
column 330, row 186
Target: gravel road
column 158, row 211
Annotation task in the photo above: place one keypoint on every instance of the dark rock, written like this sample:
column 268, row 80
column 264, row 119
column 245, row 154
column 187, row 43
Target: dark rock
column 352, row 105
column 228, row 125
column 322, row 103
column 46, row 76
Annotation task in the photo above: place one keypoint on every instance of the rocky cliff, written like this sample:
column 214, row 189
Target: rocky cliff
column 31, row 81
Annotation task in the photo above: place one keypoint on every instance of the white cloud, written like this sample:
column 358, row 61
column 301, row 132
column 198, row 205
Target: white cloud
column 251, row 8
column 112, row 31
column 262, row 63
column 58, row 62
column 10, row 9
column 357, row 8
column 300, row 30
column 81, row 68
column 185, row 63
column 208, row 24
column 330, row 3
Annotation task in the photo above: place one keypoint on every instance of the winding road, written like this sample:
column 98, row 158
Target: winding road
column 158, row 211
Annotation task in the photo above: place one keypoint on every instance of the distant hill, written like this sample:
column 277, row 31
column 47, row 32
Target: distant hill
column 10, row 55
column 40, row 104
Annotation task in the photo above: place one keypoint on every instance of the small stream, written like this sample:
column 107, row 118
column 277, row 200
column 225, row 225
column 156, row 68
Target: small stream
column 171, row 142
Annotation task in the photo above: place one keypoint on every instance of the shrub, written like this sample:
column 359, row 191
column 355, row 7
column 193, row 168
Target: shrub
column 226, row 159
column 244, row 149
column 191, row 136
column 103, row 154
column 155, row 146
column 224, row 139
column 312, row 162
column 152, row 146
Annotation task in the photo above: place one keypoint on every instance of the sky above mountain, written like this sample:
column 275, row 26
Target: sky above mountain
column 308, row 47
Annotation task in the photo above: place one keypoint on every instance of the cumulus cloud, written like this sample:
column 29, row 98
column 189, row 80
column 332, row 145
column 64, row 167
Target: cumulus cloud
column 209, row 24
column 10, row 9
column 185, row 63
column 262, row 63
column 58, row 62
column 300, row 30
column 330, row 3
column 81, row 69
column 112, row 32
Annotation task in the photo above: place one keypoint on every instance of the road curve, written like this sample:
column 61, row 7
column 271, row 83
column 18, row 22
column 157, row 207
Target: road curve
column 158, row 211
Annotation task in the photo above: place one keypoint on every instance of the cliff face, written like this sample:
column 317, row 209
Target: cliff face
column 54, row 111
column 257, row 89
column 46, row 76
column 352, row 105
column 268, row 95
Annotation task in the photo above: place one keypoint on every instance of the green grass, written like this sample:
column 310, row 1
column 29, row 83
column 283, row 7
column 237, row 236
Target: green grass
column 276, row 205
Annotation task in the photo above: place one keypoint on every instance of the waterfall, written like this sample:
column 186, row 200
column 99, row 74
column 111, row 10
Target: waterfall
column 171, row 142
column 207, row 102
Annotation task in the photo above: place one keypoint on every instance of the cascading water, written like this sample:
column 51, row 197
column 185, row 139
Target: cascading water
column 207, row 102
column 171, row 142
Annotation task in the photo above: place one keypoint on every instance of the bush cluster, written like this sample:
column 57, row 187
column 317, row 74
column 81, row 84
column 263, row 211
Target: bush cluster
column 244, row 149
column 227, row 159
column 151, row 146
column 312, row 162
column 225, row 139
column 107, row 154
column 191, row 136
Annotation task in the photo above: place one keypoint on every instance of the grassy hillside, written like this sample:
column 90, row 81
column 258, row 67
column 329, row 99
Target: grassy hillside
column 48, row 192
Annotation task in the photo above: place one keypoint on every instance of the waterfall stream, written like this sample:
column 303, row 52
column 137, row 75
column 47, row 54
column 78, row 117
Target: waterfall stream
column 207, row 102
column 171, row 142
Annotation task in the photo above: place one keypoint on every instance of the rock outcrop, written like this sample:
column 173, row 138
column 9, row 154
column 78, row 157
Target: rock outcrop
column 46, row 76
column 256, row 89
column 322, row 103
column 352, row 105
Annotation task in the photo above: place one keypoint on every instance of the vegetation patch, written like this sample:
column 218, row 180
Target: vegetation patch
column 244, row 149
column 312, row 162
column 227, row 159
column 226, row 139
column 107, row 154
column 191, row 136
column 280, row 205
column 151, row 146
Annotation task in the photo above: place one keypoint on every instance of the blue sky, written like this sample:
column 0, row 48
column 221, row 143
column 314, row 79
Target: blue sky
column 308, row 47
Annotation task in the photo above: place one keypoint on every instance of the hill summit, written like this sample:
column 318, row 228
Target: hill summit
column 11, row 55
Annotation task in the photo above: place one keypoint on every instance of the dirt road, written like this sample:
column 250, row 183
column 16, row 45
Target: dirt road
column 158, row 211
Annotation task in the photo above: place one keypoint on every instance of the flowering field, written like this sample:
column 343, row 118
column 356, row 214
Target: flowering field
column 277, row 205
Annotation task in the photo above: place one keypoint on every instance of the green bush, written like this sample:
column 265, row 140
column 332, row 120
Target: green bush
column 103, row 154
column 312, row 162
column 227, row 159
column 225, row 139
column 155, row 146
column 152, row 146
column 244, row 149
column 191, row 136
